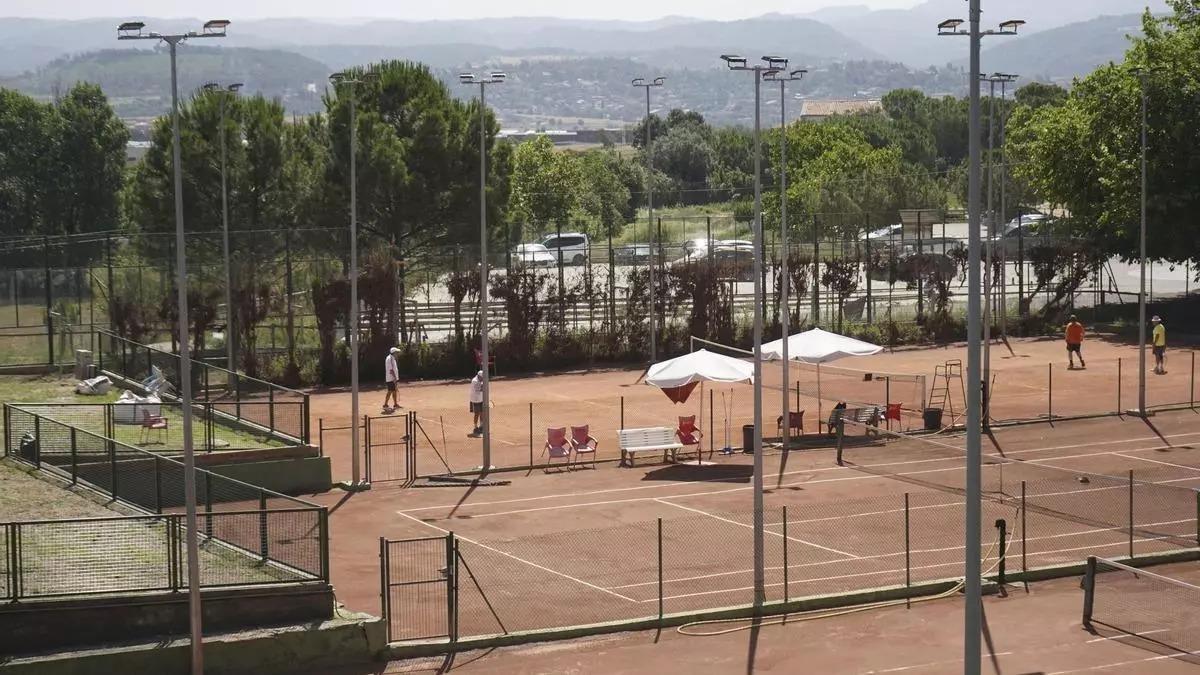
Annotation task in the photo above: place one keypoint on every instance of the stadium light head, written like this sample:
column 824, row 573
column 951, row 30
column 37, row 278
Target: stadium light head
column 466, row 78
column 130, row 30
column 1010, row 27
column 658, row 81
column 638, row 81
column 499, row 75
column 734, row 61
column 209, row 86
column 235, row 86
column 950, row 27
column 215, row 27
column 775, row 62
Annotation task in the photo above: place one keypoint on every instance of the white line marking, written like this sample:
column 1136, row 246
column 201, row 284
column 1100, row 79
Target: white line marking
column 509, row 555
column 931, row 664
column 776, row 534
column 1122, row 664
column 1155, row 461
column 1126, row 636
column 671, row 486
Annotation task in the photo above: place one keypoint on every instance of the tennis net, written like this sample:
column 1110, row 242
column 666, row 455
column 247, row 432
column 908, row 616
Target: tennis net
column 1147, row 506
column 827, row 382
column 1142, row 608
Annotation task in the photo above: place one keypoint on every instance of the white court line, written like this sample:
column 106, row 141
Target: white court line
column 776, row 534
column 509, row 555
column 802, row 471
column 1155, row 461
column 1127, row 635
column 880, row 556
column 791, row 582
column 814, row 470
column 931, row 664
column 1122, row 664
column 855, row 477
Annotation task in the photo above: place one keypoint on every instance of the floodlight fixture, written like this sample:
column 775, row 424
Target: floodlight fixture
column 950, row 27
column 215, row 27
column 776, row 62
column 1010, row 27
column 235, row 86
column 130, row 30
column 734, row 61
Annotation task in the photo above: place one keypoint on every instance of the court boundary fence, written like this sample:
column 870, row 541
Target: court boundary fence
column 282, row 537
column 133, row 362
column 430, row 587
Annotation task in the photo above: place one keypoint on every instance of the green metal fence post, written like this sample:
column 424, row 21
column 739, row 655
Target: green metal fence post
column 622, row 412
column 660, row 571
column 208, row 504
column 112, row 464
column 531, row 434
column 75, row 458
column 907, row 554
column 786, row 596
column 450, row 582
column 1050, row 391
column 384, row 590
column 263, row 541
column 157, row 484
column 1089, row 591
column 172, row 554
column 1002, row 526
column 454, row 590
column 1119, row 409
column 49, row 301
column 14, row 548
column 7, row 431
column 323, row 533
column 1131, row 514
column 37, row 441
column 271, row 407
column 1192, row 383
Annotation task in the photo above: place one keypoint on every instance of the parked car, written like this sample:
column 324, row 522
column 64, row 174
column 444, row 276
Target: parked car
column 1029, row 234
column 734, row 262
column 572, row 248
column 884, row 237
column 533, row 255
column 635, row 254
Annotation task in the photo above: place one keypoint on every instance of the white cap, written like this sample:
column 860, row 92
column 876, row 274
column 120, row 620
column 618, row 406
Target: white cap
column 1156, row 319
column 394, row 350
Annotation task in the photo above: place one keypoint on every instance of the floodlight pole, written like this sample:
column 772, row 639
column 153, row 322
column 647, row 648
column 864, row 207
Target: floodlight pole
column 230, row 363
column 485, row 415
column 656, row 82
column 771, row 66
column 987, row 263
column 355, row 460
column 973, row 611
column 1142, row 262
column 133, row 31
column 785, row 295
column 1005, row 79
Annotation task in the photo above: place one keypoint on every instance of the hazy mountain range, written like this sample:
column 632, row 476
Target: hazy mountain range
column 1061, row 40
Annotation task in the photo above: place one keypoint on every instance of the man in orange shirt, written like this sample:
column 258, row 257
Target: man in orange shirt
column 1074, row 333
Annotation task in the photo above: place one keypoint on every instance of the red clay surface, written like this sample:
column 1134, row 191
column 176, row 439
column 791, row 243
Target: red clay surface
column 1029, row 383
column 580, row 546
column 1029, row 632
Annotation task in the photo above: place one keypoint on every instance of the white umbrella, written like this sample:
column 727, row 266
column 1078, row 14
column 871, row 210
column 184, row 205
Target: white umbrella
column 678, row 377
column 818, row 346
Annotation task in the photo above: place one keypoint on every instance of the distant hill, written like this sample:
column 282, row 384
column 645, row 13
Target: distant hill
column 1062, row 54
column 910, row 35
column 138, row 80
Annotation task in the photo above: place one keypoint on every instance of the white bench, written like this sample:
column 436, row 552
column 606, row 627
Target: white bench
column 650, row 439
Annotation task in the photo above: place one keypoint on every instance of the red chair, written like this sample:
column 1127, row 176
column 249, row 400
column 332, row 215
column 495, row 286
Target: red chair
column 795, row 424
column 491, row 361
column 152, row 423
column 557, row 446
column 583, row 443
column 892, row 413
column 688, row 434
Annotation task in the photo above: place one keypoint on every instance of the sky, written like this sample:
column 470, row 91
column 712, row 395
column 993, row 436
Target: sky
column 414, row 10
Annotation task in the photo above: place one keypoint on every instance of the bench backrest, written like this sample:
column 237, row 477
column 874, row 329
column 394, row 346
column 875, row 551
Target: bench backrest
column 649, row 436
column 855, row 414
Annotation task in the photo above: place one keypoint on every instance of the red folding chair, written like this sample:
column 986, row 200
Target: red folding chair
column 557, row 446
column 892, row 413
column 152, row 423
column 795, row 424
column 583, row 444
column 688, row 434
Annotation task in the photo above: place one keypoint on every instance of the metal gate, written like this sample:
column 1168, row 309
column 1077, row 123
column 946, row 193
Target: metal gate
column 391, row 449
column 416, row 587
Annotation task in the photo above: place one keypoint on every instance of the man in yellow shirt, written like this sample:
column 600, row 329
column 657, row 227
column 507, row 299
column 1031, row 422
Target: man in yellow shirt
column 1159, row 340
column 1074, row 335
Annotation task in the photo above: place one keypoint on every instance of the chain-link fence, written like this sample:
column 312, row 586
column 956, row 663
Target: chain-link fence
column 279, row 538
column 275, row 410
column 696, row 560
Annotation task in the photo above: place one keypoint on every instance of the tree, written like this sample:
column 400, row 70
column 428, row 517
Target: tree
column 685, row 156
column 606, row 198
column 28, row 141
column 89, row 164
column 1085, row 154
column 1039, row 95
column 546, row 185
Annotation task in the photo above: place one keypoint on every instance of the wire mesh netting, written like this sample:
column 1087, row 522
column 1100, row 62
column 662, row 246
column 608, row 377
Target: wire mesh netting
column 248, row 534
column 1142, row 608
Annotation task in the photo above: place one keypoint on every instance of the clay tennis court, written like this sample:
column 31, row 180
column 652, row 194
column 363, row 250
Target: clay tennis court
column 581, row 547
column 1031, row 382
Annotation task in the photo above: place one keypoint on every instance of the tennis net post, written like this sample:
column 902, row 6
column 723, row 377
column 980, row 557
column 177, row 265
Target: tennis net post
column 1089, row 591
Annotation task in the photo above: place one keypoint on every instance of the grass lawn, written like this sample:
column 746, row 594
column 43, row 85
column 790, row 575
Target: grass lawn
column 58, row 389
column 100, row 556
